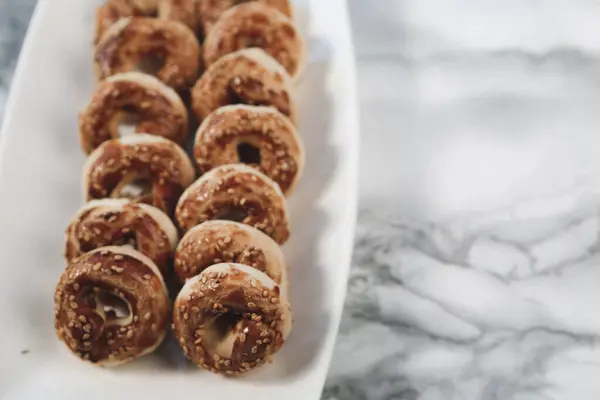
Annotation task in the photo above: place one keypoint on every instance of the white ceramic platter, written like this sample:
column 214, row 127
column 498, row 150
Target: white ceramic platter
column 40, row 189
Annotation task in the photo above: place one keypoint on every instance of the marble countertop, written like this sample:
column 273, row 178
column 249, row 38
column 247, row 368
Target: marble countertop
column 477, row 259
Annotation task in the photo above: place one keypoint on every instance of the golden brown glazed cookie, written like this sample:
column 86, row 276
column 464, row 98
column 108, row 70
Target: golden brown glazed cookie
column 231, row 319
column 260, row 137
column 238, row 193
column 111, row 11
column 214, row 242
column 256, row 24
column 209, row 11
column 248, row 76
column 145, row 168
column 129, row 43
column 157, row 108
column 120, row 222
column 111, row 305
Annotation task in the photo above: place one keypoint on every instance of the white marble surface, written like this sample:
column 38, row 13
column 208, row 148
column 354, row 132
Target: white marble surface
column 477, row 267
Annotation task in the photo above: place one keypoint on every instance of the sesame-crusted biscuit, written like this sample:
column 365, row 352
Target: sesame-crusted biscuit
column 235, row 192
column 158, row 110
column 209, row 11
column 261, row 137
column 214, row 242
column 121, row 222
column 111, row 11
column 111, row 306
column 256, row 24
column 248, row 76
column 148, row 169
column 130, row 42
column 231, row 318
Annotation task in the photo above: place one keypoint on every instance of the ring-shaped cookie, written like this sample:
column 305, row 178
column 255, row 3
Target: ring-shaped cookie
column 238, row 193
column 231, row 318
column 111, row 305
column 144, row 168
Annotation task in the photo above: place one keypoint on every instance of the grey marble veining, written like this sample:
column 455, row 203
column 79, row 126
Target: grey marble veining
column 477, row 258
column 14, row 19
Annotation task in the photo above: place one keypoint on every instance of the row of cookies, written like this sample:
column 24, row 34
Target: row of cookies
column 111, row 304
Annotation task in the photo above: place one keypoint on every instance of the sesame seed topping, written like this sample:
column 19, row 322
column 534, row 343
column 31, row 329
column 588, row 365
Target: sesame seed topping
column 265, row 293
column 273, row 300
column 118, row 257
column 97, row 266
column 147, row 316
column 129, row 334
column 147, row 277
column 116, row 269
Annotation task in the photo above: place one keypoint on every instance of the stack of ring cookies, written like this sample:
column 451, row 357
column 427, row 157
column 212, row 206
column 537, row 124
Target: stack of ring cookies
column 147, row 220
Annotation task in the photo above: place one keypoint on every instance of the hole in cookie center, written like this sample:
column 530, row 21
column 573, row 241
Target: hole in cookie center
column 115, row 310
column 234, row 214
column 128, row 122
column 151, row 64
column 248, row 154
column 225, row 323
column 127, row 239
column 136, row 188
column 221, row 333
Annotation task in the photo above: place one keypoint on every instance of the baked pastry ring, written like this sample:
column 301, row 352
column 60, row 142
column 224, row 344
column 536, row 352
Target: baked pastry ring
column 111, row 305
column 248, row 76
column 129, row 43
column 157, row 108
column 238, row 193
column 214, row 242
column 145, row 168
column 209, row 11
column 256, row 24
column 120, row 222
column 261, row 137
column 231, row 318
column 111, row 11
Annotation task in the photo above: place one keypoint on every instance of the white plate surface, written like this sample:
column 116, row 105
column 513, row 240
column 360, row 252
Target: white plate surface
column 40, row 189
